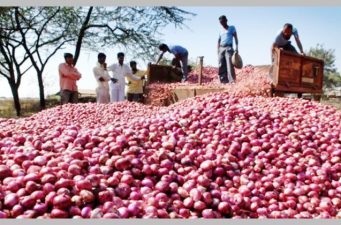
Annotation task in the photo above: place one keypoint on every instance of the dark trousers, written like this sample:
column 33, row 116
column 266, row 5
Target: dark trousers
column 67, row 96
column 290, row 48
column 226, row 69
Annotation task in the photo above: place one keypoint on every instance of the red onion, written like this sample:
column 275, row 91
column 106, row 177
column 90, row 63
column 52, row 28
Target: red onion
column 62, row 201
column 58, row 213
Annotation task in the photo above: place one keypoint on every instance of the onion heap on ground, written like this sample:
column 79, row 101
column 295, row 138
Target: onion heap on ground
column 212, row 156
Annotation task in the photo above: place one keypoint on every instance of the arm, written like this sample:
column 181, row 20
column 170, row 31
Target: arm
column 101, row 75
column 218, row 44
column 236, row 40
column 71, row 74
column 160, row 57
column 129, row 74
column 133, row 77
column 299, row 44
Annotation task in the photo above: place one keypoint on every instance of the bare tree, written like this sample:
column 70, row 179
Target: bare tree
column 12, row 64
column 43, row 31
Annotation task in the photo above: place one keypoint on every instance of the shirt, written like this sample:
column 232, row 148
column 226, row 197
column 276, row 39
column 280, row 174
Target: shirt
column 280, row 41
column 226, row 36
column 99, row 72
column 177, row 49
column 136, row 86
column 68, row 75
column 120, row 72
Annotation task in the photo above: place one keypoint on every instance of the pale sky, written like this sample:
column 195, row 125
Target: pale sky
column 256, row 28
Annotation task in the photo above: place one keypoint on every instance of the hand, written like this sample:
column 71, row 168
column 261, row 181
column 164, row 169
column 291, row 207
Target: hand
column 143, row 78
column 302, row 53
column 101, row 79
column 105, row 66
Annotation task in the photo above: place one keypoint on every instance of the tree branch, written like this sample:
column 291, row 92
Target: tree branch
column 54, row 52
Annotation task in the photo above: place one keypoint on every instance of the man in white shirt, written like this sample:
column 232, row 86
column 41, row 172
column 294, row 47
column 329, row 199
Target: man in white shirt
column 102, row 77
column 120, row 71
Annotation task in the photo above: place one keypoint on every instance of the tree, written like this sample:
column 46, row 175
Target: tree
column 12, row 66
column 136, row 29
column 45, row 30
column 331, row 76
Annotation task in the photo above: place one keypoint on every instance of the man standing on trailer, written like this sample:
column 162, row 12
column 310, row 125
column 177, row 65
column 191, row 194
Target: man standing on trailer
column 283, row 42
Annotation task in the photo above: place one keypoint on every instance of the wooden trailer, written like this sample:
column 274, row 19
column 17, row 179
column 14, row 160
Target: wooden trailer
column 293, row 73
column 163, row 74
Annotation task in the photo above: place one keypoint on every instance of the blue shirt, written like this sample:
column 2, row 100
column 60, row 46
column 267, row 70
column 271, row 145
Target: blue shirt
column 177, row 49
column 226, row 36
column 280, row 41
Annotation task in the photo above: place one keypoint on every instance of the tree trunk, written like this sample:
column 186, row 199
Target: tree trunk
column 41, row 91
column 16, row 99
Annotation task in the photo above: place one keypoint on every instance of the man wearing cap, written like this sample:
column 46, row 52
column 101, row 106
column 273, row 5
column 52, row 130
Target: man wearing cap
column 225, row 51
column 120, row 72
column 180, row 53
column 68, row 75
column 102, row 77
column 283, row 42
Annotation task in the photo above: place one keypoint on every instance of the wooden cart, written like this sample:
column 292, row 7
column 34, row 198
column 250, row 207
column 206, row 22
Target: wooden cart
column 293, row 73
column 163, row 74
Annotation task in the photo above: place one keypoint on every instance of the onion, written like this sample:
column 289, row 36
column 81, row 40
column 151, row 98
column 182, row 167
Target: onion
column 58, row 213
column 61, row 201
column 87, row 196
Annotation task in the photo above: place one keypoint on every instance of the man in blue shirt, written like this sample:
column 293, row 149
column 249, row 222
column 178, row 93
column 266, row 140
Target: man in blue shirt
column 283, row 42
column 225, row 51
column 180, row 53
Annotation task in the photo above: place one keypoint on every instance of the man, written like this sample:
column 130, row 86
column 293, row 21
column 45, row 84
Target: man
column 135, row 87
column 68, row 76
column 120, row 72
column 283, row 42
column 180, row 53
column 102, row 77
column 225, row 51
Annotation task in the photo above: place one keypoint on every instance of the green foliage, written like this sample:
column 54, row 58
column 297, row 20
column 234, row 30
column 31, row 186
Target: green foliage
column 332, row 77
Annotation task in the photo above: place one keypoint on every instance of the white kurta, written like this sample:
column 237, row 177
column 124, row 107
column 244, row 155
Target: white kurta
column 117, row 89
column 102, row 90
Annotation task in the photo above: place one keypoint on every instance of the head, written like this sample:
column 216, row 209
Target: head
column 163, row 47
column 68, row 58
column 287, row 30
column 120, row 57
column 101, row 58
column 133, row 65
column 223, row 20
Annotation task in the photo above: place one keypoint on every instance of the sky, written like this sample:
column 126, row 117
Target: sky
column 256, row 29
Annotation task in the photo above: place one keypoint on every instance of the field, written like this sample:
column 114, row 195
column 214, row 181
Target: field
column 30, row 106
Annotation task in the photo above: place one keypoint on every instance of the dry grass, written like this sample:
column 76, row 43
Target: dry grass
column 336, row 102
column 31, row 106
